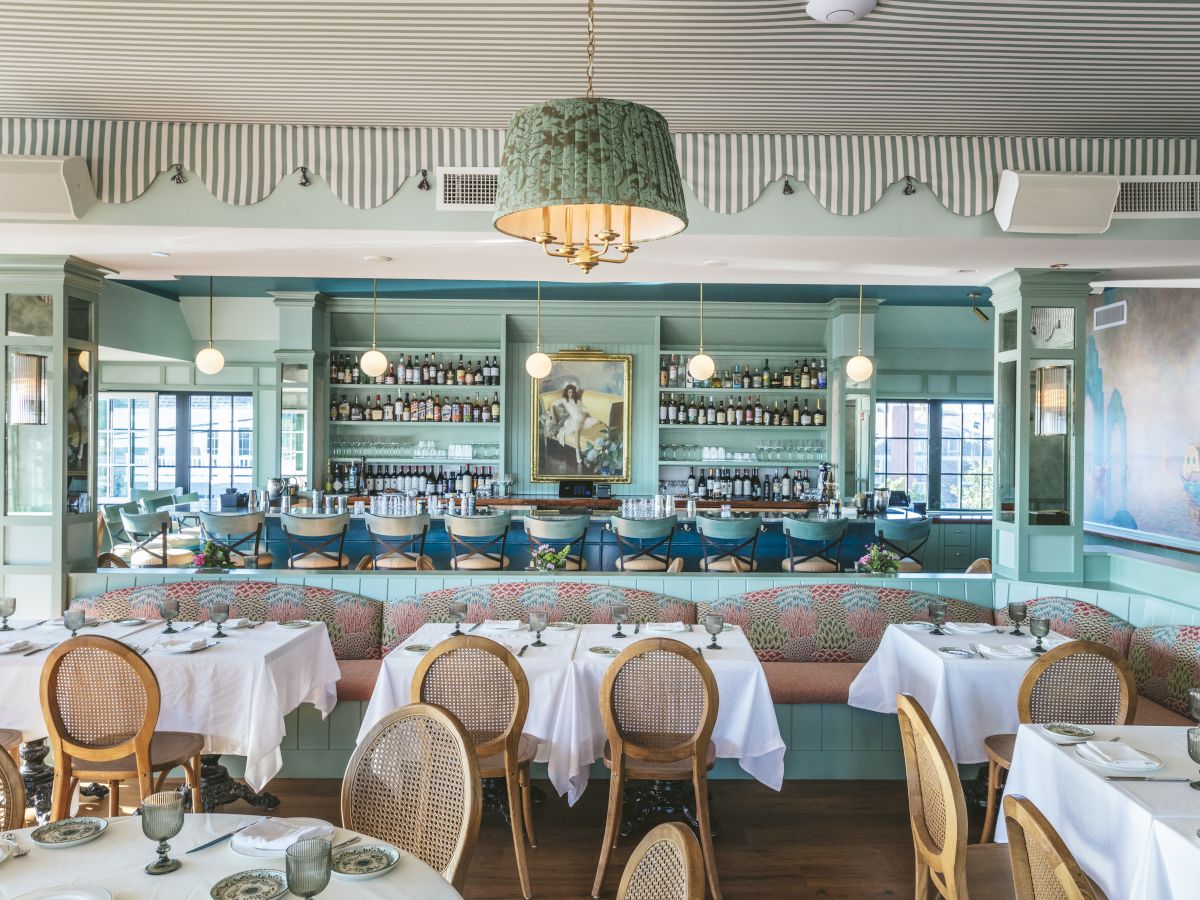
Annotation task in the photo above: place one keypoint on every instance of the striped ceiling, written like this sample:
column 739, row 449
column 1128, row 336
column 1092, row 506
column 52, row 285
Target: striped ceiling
column 1025, row 67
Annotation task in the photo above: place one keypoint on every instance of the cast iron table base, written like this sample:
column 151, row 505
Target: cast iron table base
column 669, row 799
column 495, row 797
column 38, row 778
column 218, row 788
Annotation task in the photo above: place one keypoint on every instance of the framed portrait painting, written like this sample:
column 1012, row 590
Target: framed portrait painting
column 581, row 418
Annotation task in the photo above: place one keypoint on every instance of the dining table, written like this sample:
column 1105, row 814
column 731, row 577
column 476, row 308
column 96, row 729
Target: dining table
column 1135, row 838
column 967, row 680
column 111, row 866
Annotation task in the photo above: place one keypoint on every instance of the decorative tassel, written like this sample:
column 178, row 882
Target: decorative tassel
column 424, row 184
column 787, row 187
column 179, row 177
column 305, row 181
column 910, row 186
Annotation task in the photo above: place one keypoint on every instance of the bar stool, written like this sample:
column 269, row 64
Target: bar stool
column 398, row 542
column 316, row 536
column 558, row 532
column 905, row 539
column 728, row 539
column 476, row 536
column 240, row 534
column 825, row 535
column 150, row 546
column 639, row 541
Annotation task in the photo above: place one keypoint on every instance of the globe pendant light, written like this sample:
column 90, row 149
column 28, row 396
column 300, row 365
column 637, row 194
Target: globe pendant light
column 538, row 364
column 701, row 366
column 210, row 360
column 584, row 176
column 373, row 363
column 859, row 367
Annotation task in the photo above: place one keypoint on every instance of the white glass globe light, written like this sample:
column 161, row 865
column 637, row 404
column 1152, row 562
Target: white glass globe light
column 538, row 364
column 373, row 363
column 701, row 367
column 860, row 368
column 210, row 361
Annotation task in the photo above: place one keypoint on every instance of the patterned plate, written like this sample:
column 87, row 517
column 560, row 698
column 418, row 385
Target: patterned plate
column 1068, row 731
column 956, row 651
column 418, row 648
column 560, row 626
column 69, row 832
column 604, row 651
column 917, row 625
column 130, row 622
column 69, row 892
column 255, row 884
column 296, row 623
column 362, row 863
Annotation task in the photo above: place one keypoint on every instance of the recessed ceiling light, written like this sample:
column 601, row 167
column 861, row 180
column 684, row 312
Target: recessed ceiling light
column 716, row 263
column 377, row 259
column 839, row 12
column 966, row 271
column 159, row 253
column 1058, row 265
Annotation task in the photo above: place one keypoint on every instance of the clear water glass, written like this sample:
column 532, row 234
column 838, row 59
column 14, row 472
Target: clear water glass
column 620, row 615
column 537, row 624
column 1193, row 697
column 1039, row 627
column 1017, row 611
column 308, row 865
column 8, row 606
column 219, row 613
column 1193, row 739
column 714, row 624
column 458, row 612
column 162, row 819
column 73, row 620
column 937, row 615
column 169, row 608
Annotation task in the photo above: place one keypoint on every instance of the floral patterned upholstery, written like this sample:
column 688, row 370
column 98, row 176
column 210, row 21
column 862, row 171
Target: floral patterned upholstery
column 1166, row 662
column 1079, row 620
column 569, row 601
column 828, row 622
column 354, row 621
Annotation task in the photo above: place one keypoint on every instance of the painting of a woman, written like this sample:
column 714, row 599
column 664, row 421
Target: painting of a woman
column 580, row 419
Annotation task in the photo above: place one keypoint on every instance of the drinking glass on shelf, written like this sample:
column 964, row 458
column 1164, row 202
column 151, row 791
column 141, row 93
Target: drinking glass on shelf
column 1193, row 741
column 1193, row 696
column 169, row 607
column 537, row 624
column 219, row 613
column 162, row 819
column 458, row 612
column 1017, row 610
column 308, row 864
column 73, row 620
column 620, row 614
column 714, row 624
column 937, row 615
column 1039, row 627
column 8, row 606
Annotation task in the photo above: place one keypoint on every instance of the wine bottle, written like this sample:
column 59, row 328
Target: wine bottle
column 819, row 415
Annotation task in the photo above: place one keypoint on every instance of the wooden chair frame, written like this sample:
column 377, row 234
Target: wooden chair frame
column 693, row 748
column 232, row 540
column 685, row 844
column 1125, row 712
column 634, row 546
column 12, row 787
column 69, row 753
column 1026, row 825
column 456, row 870
column 314, row 543
column 110, row 561
column 518, row 785
column 477, row 544
column 409, row 546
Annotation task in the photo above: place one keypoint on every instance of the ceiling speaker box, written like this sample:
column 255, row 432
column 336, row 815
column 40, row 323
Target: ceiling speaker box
column 1048, row 203
column 46, row 188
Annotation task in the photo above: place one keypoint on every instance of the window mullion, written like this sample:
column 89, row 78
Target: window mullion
column 935, row 454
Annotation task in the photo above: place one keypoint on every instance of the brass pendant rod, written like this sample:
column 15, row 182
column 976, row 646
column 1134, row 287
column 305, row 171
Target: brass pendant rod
column 860, row 298
column 701, row 317
column 374, row 308
column 539, row 317
column 210, row 310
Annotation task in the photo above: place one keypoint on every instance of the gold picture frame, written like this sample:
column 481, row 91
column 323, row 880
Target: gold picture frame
column 585, row 437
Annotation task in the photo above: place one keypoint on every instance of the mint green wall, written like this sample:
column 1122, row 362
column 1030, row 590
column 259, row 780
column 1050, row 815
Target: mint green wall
column 933, row 353
column 143, row 322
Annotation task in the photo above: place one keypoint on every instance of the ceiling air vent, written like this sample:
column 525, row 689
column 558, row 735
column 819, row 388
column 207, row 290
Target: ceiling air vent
column 1158, row 197
column 1109, row 316
column 466, row 188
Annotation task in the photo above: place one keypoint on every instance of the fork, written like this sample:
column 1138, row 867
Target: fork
column 974, row 649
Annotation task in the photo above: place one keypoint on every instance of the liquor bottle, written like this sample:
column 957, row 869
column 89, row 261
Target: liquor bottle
column 389, row 410
column 721, row 417
column 819, row 415
column 480, row 377
column 460, row 373
column 776, row 487
column 335, row 371
column 329, row 476
column 496, row 371
column 345, row 379
column 664, row 373
column 338, row 484
column 787, row 380
column 377, row 410
column 757, row 381
column 662, row 409
column 785, row 486
column 356, row 411
column 822, row 376
column 333, row 409
column 456, row 411
column 672, row 411
column 758, row 411
column 496, row 406
column 739, row 412
column 355, row 372
column 806, row 418
column 795, row 414
column 776, row 416
column 710, row 414
column 755, row 486
column 702, row 486
column 747, row 381
column 776, row 379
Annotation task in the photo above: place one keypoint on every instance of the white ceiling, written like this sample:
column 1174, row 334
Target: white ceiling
column 1054, row 67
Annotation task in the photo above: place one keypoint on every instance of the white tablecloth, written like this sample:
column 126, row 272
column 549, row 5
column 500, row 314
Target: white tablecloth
column 116, row 861
column 966, row 699
column 235, row 694
column 1172, row 859
column 1108, row 825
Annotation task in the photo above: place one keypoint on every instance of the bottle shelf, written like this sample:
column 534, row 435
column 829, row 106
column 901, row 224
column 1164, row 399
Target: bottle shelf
column 412, row 388
column 740, row 463
column 360, row 349
column 418, row 460
column 414, row 425
column 771, row 429
column 771, row 392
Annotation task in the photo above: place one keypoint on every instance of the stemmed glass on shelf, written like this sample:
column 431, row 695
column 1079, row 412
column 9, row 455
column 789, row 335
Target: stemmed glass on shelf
column 8, row 606
column 162, row 819
column 1017, row 610
column 714, row 624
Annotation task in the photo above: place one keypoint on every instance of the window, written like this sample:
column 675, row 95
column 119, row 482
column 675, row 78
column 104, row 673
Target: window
column 126, row 436
column 939, row 452
column 221, row 430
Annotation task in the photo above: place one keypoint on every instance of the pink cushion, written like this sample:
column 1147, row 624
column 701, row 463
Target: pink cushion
column 358, row 678
column 811, row 682
column 1151, row 713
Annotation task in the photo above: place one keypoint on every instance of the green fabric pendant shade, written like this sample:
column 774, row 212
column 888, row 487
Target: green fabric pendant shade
column 588, row 153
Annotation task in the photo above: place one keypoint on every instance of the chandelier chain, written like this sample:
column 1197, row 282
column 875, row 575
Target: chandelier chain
column 591, row 47
column 702, row 318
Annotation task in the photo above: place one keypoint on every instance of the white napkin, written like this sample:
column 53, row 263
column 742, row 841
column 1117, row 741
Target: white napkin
column 1005, row 651
column 13, row 646
column 501, row 625
column 279, row 834
column 231, row 623
column 967, row 627
column 180, row 644
column 665, row 627
column 1117, row 755
column 7, row 848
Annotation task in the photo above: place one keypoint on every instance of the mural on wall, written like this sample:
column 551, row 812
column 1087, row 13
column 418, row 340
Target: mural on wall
column 581, row 416
column 1142, row 452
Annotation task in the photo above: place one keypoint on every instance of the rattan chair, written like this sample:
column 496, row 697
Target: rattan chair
column 101, row 700
column 316, row 541
column 937, row 813
column 398, row 542
column 814, row 545
column 1082, row 682
column 12, row 795
column 659, row 703
column 151, row 545
column 1042, row 866
column 241, row 534
column 728, row 544
column 483, row 685
column 906, row 538
column 558, row 532
column 666, row 865
column 981, row 566
column 644, row 545
column 414, row 782
column 474, row 539
column 110, row 561
column 10, row 743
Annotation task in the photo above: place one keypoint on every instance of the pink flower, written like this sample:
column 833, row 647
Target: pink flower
column 198, row 559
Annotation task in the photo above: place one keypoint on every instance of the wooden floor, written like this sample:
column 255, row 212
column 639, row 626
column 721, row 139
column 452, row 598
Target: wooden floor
column 841, row 840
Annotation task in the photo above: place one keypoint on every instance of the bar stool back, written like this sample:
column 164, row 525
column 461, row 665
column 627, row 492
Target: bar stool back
column 150, row 543
column 473, row 539
column 904, row 538
column 723, row 543
column 398, row 542
column 240, row 534
column 820, row 544
column 640, row 543
column 559, row 532
column 320, row 540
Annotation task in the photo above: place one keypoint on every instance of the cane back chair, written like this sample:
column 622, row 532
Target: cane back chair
column 12, row 795
column 473, row 540
column 1084, row 682
column 666, row 865
column 398, row 542
column 414, row 782
column 558, row 532
column 905, row 538
column 10, row 743
column 316, row 541
column 814, row 545
column 241, row 534
column 1042, row 866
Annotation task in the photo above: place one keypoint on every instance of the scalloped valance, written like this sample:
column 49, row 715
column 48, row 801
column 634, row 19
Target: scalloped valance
column 241, row 164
